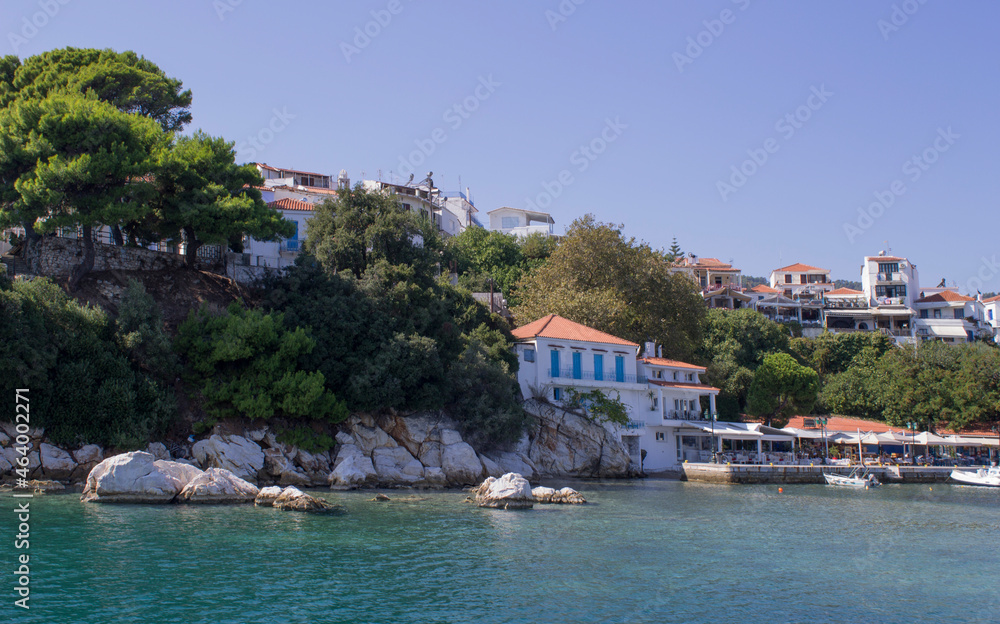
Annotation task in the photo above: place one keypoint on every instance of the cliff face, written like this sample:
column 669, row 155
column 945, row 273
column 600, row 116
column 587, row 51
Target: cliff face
column 419, row 450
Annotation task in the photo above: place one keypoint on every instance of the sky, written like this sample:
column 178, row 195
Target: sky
column 762, row 133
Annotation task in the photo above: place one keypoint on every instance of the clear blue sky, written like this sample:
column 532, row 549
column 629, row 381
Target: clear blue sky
column 534, row 85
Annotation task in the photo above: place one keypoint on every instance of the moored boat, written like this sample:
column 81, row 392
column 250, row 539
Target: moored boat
column 989, row 477
column 855, row 479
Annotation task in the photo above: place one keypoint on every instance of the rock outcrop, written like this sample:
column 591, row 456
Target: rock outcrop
column 566, row 496
column 137, row 477
column 565, row 444
column 217, row 485
column 352, row 469
column 237, row 454
column 266, row 496
column 57, row 464
column 294, row 499
column 510, row 491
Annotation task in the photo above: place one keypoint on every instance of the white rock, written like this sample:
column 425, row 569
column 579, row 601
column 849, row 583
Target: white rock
column 344, row 438
column 565, row 444
column 490, row 467
column 313, row 463
column 430, row 454
column 294, row 499
column 242, row 457
column 282, row 468
column 13, row 456
column 512, row 461
column 371, row 438
column 217, row 485
column 158, row 450
column 88, row 453
column 137, row 477
column 434, row 476
column 511, row 491
column 450, row 436
column 414, row 431
column 461, row 464
column 542, row 494
column 352, row 469
column 395, row 466
column 567, row 496
column 257, row 435
column 267, row 496
column 56, row 463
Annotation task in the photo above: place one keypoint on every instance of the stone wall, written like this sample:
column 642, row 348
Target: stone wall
column 57, row 257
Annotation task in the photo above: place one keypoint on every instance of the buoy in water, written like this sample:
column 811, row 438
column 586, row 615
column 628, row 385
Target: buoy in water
column 780, row 490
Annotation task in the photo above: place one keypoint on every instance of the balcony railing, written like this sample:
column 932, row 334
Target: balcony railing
column 634, row 425
column 684, row 415
column 290, row 245
column 569, row 373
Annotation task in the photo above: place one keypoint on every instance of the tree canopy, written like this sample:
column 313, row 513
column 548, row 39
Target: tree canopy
column 600, row 278
column 781, row 387
column 482, row 255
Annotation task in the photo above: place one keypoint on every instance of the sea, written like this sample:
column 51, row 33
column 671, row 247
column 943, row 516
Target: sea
column 640, row 551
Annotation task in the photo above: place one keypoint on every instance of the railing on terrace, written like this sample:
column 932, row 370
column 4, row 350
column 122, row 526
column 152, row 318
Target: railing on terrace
column 634, row 425
column 569, row 373
column 685, row 415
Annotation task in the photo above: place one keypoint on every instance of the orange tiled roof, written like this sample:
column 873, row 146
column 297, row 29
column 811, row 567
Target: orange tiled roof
column 992, row 299
column 846, row 291
column 655, row 361
column 279, row 170
column 555, row 326
column 850, row 424
column 944, row 296
column 798, row 266
column 764, row 288
column 292, row 204
column 682, row 385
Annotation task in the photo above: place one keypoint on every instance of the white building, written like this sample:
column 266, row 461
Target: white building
column 951, row 317
column 991, row 307
column 521, row 222
column 891, row 284
column 708, row 273
column 802, row 281
column 669, row 407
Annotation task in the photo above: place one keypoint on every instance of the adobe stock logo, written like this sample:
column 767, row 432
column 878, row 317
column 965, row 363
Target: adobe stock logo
column 786, row 127
column 31, row 25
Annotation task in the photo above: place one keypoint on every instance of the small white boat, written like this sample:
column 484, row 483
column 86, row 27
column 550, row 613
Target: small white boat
column 855, row 479
column 984, row 476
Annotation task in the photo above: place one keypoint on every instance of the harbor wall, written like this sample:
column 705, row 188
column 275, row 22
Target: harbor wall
column 755, row 473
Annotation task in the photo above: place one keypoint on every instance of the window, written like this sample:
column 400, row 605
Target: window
column 406, row 207
column 508, row 222
column 529, row 355
column 888, row 268
column 959, row 313
column 555, row 363
column 788, row 278
column 989, row 314
column 660, row 436
column 937, row 313
column 557, row 394
column 718, row 280
column 803, row 279
column 675, row 375
column 598, row 367
column 619, row 368
column 923, row 314
column 656, row 402
column 577, row 365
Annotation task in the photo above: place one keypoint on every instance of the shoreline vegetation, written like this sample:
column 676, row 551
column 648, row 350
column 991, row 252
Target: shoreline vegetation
column 368, row 323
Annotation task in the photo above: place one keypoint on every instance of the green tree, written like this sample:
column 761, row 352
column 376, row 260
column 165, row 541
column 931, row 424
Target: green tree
column 675, row 252
column 127, row 81
column 248, row 365
column 204, row 194
column 598, row 277
column 781, row 387
column 362, row 227
column 86, row 156
column 831, row 353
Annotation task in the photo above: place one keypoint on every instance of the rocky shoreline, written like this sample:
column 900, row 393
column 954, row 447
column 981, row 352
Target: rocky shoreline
column 388, row 451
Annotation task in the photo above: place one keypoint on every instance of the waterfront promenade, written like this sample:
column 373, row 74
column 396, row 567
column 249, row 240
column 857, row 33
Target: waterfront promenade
column 779, row 474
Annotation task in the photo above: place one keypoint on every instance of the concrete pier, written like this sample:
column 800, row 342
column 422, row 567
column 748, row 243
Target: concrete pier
column 780, row 474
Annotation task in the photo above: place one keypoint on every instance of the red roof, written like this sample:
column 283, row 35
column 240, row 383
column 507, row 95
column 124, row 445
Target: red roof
column 992, row 299
column 655, row 361
column 846, row 291
column 849, row 424
column 764, row 288
column 554, row 326
column 681, row 385
column 798, row 266
column 292, row 204
column 943, row 297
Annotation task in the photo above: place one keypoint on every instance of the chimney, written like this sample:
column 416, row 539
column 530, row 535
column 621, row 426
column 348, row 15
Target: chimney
column 649, row 350
column 661, row 351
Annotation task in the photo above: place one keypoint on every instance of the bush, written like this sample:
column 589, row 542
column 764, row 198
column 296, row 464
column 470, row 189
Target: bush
column 83, row 387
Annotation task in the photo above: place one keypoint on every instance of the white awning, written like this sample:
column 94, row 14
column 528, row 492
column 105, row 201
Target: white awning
column 927, row 438
column 961, row 440
column 947, row 331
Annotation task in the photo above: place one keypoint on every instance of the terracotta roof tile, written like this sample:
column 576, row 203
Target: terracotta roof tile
column 279, row 170
column 944, row 296
column 846, row 291
column 655, row 361
column 681, row 385
column 850, row 424
column 554, row 326
column 798, row 266
column 764, row 288
column 992, row 299
column 292, row 204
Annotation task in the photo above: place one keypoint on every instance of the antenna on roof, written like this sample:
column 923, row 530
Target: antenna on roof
column 379, row 175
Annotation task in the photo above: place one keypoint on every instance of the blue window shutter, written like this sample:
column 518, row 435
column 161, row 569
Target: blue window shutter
column 598, row 367
column 619, row 368
column 555, row 363
column 577, row 365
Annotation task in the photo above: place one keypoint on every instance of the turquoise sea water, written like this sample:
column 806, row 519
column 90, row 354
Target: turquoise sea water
column 644, row 551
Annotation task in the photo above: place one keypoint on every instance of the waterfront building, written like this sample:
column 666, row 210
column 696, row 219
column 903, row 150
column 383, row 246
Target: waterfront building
column 951, row 317
column 801, row 281
column 520, row 222
column 991, row 308
column 670, row 408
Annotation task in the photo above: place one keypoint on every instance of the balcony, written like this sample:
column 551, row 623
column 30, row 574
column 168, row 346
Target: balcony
column 291, row 246
column 634, row 427
column 684, row 415
column 888, row 278
column 608, row 376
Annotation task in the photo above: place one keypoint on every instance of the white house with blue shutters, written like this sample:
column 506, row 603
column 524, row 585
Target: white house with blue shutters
column 670, row 409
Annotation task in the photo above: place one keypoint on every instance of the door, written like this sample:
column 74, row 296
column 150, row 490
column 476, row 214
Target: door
column 577, row 365
column 619, row 368
column 555, row 363
column 598, row 367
